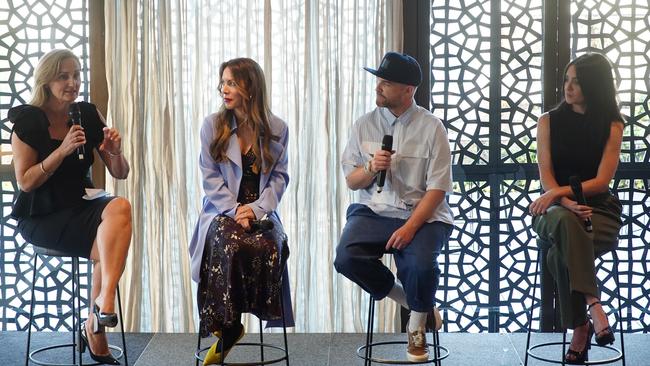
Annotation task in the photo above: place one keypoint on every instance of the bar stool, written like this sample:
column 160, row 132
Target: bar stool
column 76, row 315
column 618, row 354
column 260, row 344
column 365, row 352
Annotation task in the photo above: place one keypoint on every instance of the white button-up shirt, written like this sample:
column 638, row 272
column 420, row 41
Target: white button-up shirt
column 422, row 161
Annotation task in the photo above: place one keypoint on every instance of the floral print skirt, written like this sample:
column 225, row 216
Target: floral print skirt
column 240, row 273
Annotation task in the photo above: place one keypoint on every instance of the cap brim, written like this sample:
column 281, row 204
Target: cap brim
column 372, row 71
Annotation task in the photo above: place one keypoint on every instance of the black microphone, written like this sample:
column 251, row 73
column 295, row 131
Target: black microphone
column 576, row 187
column 75, row 119
column 386, row 145
column 261, row 225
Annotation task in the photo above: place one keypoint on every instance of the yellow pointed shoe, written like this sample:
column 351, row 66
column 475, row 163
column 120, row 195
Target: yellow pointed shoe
column 213, row 357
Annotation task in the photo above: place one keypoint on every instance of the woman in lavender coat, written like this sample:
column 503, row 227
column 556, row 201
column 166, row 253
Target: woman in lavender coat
column 240, row 268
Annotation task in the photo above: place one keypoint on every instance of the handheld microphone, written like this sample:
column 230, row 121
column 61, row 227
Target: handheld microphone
column 75, row 119
column 576, row 187
column 386, row 145
column 261, row 225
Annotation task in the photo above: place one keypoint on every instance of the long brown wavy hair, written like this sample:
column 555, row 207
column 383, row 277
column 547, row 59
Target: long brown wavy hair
column 251, row 86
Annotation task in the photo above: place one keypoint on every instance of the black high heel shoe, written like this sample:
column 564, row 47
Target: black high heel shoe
column 605, row 336
column 83, row 343
column 580, row 357
column 103, row 320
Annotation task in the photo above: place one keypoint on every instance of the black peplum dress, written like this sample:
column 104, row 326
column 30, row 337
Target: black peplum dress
column 55, row 215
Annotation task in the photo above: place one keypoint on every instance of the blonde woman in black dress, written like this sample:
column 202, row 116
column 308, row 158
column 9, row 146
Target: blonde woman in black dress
column 52, row 178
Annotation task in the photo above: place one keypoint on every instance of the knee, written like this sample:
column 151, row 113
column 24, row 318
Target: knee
column 342, row 261
column 119, row 208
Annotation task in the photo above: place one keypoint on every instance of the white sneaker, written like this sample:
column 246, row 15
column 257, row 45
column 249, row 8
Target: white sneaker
column 417, row 349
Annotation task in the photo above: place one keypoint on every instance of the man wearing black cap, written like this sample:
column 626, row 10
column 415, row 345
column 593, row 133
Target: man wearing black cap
column 410, row 217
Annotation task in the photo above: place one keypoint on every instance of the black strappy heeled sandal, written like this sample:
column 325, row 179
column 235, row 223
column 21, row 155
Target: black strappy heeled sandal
column 605, row 336
column 580, row 357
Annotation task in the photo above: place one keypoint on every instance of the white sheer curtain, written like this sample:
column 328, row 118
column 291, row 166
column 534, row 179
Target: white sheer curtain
column 163, row 61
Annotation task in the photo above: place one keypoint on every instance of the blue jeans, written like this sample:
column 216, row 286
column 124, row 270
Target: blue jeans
column 363, row 243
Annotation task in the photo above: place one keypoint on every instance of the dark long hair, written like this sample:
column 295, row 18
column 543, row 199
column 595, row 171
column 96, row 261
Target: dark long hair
column 594, row 72
column 251, row 86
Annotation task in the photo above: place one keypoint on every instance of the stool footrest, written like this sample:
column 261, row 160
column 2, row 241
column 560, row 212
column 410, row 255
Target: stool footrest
column 119, row 351
column 197, row 354
column 618, row 354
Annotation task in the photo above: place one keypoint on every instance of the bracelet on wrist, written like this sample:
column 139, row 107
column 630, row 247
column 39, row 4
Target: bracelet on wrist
column 112, row 155
column 367, row 168
column 47, row 174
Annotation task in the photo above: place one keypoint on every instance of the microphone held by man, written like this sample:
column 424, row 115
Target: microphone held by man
column 386, row 145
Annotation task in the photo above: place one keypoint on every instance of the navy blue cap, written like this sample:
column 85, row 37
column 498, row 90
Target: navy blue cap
column 399, row 68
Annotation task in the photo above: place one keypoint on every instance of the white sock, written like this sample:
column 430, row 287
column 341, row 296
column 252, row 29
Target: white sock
column 417, row 321
column 398, row 295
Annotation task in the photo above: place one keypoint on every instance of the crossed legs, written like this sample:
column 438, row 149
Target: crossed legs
column 108, row 254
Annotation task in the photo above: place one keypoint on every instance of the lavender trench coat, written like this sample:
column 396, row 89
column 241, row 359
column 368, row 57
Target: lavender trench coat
column 221, row 186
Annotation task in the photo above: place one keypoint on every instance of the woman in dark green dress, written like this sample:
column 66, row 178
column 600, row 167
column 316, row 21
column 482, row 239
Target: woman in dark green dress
column 581, row 137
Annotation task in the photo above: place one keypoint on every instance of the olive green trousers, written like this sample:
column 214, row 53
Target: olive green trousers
column 572, row 255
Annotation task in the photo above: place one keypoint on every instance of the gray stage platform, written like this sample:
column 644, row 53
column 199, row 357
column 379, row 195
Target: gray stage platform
column 319, row 349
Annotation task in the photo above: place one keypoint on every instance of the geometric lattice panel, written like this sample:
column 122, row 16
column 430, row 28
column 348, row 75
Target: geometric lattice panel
column 29, row 29
column 517, row 254
column 492, row 254
column 634, row 251
column 460, row 76
column 521, row 79
column 465, row 281
column 620, row 30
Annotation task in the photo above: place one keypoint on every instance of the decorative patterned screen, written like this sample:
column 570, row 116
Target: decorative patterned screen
column 28, row 29
column 486, row 84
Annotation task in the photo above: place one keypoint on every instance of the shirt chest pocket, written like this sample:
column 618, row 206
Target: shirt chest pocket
column 414, row 152
column 410, row 164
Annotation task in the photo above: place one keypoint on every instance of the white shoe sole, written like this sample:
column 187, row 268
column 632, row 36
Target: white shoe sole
column 413, row 358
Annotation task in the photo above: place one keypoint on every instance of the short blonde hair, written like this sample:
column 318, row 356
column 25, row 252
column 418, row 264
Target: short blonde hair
column 46, row 70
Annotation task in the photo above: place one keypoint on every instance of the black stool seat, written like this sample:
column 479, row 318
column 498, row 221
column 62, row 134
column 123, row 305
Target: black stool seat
column 76, row 317
column 436, row 355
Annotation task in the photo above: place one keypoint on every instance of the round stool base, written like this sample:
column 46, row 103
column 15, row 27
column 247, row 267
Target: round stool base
column 197, row 355
column 433, row 349
column 66, row 345
column 617, row 357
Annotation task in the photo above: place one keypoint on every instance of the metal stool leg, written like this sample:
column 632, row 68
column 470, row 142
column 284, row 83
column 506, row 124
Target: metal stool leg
column 284, row 328
column 620, row 308
column 119, row 308
column 532, row 307
column 31, row 312
column 76, row 315
column 261, row 340
column 198, row 345
column 370, row 330
column 563, row 347
column 77, row 294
